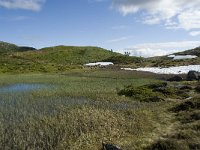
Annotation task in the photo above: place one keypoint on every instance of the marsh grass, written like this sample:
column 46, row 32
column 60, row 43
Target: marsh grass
column 186, row 133
column 79, row 110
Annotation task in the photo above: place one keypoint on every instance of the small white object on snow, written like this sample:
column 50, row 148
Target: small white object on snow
column 99, row 64
column 127, row 69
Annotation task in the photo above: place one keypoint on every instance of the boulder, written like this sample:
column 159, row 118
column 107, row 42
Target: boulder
column 193, row 75
column 175, row 78
column 110, row 147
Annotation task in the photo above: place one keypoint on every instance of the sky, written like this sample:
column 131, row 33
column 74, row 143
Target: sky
column 142, row 27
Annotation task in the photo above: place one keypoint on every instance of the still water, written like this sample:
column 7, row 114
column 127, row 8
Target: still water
column 21, row 87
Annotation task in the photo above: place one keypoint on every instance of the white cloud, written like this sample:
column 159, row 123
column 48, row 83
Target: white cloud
column 119, row 39
column 195, row 33
column 34, row 5
column 159, row 49
column 184, row 14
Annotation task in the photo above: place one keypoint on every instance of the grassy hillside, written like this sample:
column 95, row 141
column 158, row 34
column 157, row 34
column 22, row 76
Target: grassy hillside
column 8, row 48
column 195, row 51
column 69, row 55
column 58, row 58
column 165, row 61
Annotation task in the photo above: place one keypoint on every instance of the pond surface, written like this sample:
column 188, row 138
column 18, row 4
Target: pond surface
column 21, row 87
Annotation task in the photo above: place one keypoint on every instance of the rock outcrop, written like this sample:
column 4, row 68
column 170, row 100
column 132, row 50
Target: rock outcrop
column 193, row 75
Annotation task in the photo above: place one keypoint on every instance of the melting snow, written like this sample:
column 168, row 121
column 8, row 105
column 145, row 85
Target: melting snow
column 170, row 70
column 99, row 64
column 179, row 57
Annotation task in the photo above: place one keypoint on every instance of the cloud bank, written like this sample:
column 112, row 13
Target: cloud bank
column 174, row 14
column 34, row 5
column 160, row 49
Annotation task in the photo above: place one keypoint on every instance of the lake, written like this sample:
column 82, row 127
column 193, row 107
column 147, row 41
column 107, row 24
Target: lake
column 21, row 87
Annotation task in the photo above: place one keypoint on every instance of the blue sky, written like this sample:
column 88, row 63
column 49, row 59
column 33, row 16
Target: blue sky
column 143, row 27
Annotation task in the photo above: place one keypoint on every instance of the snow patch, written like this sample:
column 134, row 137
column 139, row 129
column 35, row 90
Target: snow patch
column 99, row 64
column 170, row 70
column 127, row 69
column 171, row 56
column 179, row 57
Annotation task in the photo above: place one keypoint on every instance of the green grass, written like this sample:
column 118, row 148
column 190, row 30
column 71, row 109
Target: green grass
column 79, row 110
column 154, row 92
column 186, row 133
column 56, row 59
column 9, row 48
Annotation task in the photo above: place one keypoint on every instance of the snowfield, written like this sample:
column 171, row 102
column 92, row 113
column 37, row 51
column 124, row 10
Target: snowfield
column 99, row 64
column 170, row 70
column 180, row 57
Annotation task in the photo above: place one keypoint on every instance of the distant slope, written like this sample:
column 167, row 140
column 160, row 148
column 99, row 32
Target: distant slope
column 8, row 48
column 164, row 61
column 59, row 58
column 195, row 51
column 72, row 55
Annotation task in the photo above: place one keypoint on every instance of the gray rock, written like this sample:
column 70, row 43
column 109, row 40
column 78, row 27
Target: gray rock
column 175, row 78
column 110, row 147
column 193, row 75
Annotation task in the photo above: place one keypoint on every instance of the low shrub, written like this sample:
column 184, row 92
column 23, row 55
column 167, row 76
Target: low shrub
column 198, row 89
column 140, row 93
column 157, row 85
column 187, row 105
column 189, row 116
column 167, row 145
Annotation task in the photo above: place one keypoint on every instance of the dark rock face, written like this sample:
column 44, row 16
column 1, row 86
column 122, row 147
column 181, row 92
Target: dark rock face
column 193, row 75
column 175, row 78
column 110, row 147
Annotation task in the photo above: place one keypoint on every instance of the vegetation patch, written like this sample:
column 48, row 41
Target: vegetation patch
column 167, row 145
column 198, row 89
column 188, row 105
column 154, row 92
column 140, row 93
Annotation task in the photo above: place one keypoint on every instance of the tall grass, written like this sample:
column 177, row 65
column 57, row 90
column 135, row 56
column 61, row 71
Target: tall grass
column 78, row 111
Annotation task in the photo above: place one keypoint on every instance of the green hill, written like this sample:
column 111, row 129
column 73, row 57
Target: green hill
column 195, row 51
column 72, row 55
column 59, row 58
column 8, row 48
column 165, row 61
